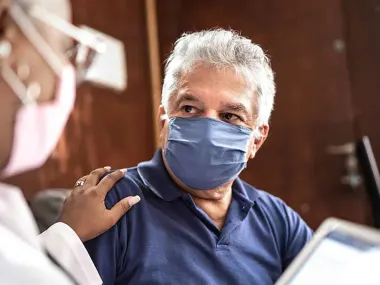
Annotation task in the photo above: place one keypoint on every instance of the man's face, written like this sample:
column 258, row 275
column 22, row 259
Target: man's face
column 221, row 95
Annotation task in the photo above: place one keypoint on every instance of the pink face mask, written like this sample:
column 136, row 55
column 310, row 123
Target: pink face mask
column 39, row 126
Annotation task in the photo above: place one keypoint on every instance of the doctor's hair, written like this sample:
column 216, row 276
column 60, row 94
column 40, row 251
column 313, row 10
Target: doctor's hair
column 222, row 49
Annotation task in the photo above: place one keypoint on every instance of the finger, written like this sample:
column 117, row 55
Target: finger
column 123, row 207
column 95, row 175
column 110, row 180
column 83, row 178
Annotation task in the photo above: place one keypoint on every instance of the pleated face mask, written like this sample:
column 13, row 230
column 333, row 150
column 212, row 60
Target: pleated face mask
column 205, row 153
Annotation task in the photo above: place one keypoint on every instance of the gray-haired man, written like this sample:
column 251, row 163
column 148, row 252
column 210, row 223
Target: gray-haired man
column 197, row 222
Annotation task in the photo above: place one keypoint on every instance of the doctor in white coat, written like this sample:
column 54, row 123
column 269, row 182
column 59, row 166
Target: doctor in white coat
column 37, row 93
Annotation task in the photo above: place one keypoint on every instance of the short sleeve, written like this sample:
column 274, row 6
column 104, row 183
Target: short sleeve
column 297, row 235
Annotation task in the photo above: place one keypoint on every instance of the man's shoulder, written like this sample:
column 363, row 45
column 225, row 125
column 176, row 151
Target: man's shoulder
column 130, row 185
column 275, row 210
column 289, row 229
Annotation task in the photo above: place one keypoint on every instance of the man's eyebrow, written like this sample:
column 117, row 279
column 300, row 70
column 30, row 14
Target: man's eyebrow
column 185, row 97
column 239, row 108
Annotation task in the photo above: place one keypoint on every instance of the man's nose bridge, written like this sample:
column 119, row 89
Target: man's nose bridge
column 213, row 114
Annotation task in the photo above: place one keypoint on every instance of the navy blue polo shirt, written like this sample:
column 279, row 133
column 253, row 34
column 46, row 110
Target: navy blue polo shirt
column 167, row 239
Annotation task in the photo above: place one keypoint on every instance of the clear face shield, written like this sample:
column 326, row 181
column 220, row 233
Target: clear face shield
column 96, row 57
column 42, row 59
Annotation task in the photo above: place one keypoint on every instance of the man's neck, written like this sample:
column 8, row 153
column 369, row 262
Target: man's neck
column 216, row 209
column 214, row 202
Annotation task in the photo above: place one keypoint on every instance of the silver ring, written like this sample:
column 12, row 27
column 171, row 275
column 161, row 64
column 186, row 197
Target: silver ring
column 79, row 183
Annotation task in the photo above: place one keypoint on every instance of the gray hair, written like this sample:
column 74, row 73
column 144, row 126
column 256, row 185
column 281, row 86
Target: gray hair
column 222, row 49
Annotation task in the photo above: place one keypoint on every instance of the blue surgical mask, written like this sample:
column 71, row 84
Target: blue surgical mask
column 205, row 153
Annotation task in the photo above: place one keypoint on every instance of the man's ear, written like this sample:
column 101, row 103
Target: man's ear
column 161, row 117
column 260, row 135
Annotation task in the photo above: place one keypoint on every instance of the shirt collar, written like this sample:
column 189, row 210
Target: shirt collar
column 239, row 188
column 155, row 176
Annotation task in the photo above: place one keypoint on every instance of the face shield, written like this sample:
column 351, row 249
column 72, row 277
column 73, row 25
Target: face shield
column 42, row 54
column 96, row 57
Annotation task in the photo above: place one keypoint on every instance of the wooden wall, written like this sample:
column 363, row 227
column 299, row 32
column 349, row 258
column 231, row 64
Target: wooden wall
column 362, row 23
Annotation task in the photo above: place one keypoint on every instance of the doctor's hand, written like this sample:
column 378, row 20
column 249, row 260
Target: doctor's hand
column 84, row 209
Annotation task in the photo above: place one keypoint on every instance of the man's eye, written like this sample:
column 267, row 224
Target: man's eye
column 230, row 117
column 188, row 109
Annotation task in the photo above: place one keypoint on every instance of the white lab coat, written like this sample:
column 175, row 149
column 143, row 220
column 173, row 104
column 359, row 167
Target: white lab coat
column 23, row 258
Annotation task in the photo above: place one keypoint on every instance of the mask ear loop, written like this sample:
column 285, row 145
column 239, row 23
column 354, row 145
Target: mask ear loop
column 26, row 95
column 164, row 117
column 257, row 133
column 25, row 24
column 29, row 94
